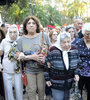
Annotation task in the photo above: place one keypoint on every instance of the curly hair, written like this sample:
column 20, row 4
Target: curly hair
column 26, row 21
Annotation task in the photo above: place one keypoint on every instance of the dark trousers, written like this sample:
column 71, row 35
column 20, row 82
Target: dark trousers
column 1, row 85
column 85, row 81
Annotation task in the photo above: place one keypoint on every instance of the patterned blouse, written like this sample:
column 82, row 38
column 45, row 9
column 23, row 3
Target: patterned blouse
column 84, row 54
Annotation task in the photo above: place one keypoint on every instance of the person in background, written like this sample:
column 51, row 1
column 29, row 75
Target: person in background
column 9, row 65
column 78, row 26
column 53, row 36
column 2, row 36
column 5, row 27
column 28, row 50
column 59, row 75
column 46, row 30
column 70, row 29
column 21, row 30
column 58, row 29
column 62, row 28
column 83, row 46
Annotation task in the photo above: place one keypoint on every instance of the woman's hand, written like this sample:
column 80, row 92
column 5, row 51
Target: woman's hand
column 38, row 57
column 48, row 83
column 21, row 56
column 76, row 78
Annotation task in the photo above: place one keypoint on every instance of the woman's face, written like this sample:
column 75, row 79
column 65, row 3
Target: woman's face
column 31, row 26
column 54, row 36
column 71, row 31
column 87, row 36
column 65, row 44
column 13, row 34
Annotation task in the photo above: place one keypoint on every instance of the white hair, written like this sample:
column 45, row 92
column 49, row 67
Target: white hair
column 64, row 35
column 61, row 37
column 8, row 32
column 85, row 27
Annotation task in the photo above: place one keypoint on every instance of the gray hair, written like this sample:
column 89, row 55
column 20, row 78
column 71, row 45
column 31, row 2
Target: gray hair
column 8, row 32
column 69, row 27
column 64, row 35
column 61, row 37
column 77, row 18
column 85, row 27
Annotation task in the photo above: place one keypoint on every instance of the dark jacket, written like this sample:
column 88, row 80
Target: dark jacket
column 60, row 77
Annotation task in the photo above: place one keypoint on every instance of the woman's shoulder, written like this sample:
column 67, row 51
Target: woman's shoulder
column 53, row 48
column 80, row 41
column 73, row 47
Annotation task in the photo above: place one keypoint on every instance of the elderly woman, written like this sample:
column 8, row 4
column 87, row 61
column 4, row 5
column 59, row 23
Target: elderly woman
column 83, row 46
column 60, row 73
column 70, row 29
column 9, row 66
column 28, row 49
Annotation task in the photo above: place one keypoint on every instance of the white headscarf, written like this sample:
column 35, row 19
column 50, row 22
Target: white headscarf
column 8, row 32
column 61, row 37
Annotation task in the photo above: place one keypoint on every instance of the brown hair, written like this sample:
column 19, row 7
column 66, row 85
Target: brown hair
column 26, row 21
column 51, row 33
column 2, row 34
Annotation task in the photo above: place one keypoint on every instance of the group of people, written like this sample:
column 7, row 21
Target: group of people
column 52, row 60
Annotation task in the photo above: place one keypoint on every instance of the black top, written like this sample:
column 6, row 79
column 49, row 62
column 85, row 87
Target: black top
column 80, row 35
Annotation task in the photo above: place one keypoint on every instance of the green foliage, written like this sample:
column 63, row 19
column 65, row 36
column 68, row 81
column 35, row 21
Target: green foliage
column 47, row 14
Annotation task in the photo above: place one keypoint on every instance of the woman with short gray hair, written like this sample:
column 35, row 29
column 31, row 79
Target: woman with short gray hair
column 83, row 46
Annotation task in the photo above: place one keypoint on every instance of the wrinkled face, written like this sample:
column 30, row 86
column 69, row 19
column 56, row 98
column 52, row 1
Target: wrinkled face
column 54, row 36
column 78, row 24
column 71, row 31
column 13, row 34
column 65, row 44
column 31, row 26
column 87, row 36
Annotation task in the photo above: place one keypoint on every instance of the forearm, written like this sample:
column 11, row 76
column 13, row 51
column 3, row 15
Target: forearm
column 1, row 52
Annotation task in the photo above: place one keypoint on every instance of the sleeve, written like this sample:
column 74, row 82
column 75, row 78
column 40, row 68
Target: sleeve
column 47, row 40
column 46, row 69
column 79, row 66
column 19, row 45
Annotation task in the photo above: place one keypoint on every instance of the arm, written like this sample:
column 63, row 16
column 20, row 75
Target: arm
column 1, row 52
column 46, row 71
column 36, row 57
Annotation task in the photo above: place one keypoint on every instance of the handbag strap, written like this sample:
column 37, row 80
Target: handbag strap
column 42, row 39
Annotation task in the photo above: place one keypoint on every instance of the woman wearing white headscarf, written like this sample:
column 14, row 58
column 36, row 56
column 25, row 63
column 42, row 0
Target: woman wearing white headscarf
column 9, row 65
column 61, row 67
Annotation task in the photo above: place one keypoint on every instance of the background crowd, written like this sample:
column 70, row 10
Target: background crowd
column 52, row 59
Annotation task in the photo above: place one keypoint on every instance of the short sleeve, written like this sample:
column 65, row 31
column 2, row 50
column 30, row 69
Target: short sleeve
column 19, row 45
column 47, row 40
